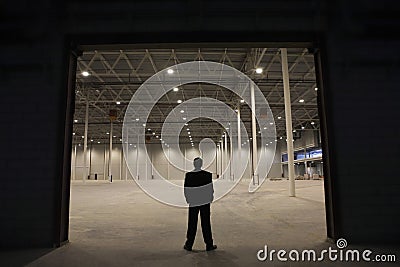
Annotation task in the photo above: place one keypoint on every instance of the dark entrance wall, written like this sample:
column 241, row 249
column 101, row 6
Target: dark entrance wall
column 360, row 62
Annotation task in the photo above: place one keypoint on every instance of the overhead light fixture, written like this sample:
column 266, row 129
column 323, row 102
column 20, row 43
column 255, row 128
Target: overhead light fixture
column 301, row 100
column 184, row 118
column 302, row 127
column 85, row 73
column 316, row 89
column 137, row 119
column 83, row 136
column 265, row 128
column 188, row 132
column 79, row 144
column 312, row 123
column 170, row 71
column 242, row 101
column 73, row 133
column 179, row 101
column 281, row 137
column 115, row 136
column 279, row 117
column 259, row 70
column 294, row 131
column 175, row 89
column 107, row 133
column 186, row 124
column 182, row 111
column 98, row 142
column 154, row 133
column 75, row 121
column 91, row 140
column 118, row 102
column 156, row 136
column 148, row 129
column 271, row 123
column 187, row 129
column 236, row 110
column 144, row 124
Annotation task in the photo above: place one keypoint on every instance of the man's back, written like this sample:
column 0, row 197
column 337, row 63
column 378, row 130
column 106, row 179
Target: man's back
column 199, row 188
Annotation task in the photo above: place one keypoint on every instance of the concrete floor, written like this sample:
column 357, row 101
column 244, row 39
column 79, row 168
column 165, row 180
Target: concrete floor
column 118, row 225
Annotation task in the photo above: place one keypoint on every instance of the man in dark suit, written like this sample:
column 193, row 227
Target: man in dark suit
column 199, row 193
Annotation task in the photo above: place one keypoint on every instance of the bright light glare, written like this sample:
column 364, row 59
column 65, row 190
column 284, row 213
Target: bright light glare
column 85, row 73
column 176, row 89
column 179, row 101
column 259, row 70
column 170, row 71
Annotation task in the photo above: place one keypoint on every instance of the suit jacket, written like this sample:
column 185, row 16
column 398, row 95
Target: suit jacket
column 199, row 188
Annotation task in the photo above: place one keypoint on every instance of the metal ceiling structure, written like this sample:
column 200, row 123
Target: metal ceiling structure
column 113, row 77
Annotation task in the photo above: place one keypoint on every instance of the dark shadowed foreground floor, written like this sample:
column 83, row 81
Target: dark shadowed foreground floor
column 118, row 225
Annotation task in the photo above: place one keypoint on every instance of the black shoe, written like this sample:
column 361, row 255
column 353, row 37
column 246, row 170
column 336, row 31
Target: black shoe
column 185, row 247
column 209, row 248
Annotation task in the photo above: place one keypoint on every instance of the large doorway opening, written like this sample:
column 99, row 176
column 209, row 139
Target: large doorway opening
column 106, row 204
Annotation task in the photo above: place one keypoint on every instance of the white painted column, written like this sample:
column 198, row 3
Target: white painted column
column 217, row 158
column 231, row 175
column 254, row 135
column 74, row 165
column 288, row 116
column 127, row 155
column 121, row 163
column 105, row 160
column 137, row 158
column 184, row 163
column 222, row 158
column 151, row 161
column 239, row 140
column 168, row 164
column 85, row 137
column 110, row 153
column 226, row 154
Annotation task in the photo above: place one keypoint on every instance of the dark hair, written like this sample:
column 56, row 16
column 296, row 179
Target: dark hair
column 198, row 162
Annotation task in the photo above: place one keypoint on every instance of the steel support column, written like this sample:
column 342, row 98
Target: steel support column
column 288, row 116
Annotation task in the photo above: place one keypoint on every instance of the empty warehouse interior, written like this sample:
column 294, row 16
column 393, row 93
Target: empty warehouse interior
column 105, row 187
column 107, row 80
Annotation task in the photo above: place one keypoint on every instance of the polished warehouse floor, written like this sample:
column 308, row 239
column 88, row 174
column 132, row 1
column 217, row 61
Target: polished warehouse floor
column 116, row 224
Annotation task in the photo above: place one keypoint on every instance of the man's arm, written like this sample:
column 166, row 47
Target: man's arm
column 212, row 187
column 185, row 190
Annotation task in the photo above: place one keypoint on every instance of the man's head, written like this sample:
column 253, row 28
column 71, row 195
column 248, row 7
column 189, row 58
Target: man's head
column 198, row 163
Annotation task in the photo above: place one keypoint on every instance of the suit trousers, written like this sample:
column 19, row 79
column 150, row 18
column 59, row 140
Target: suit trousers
column 205, row 224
